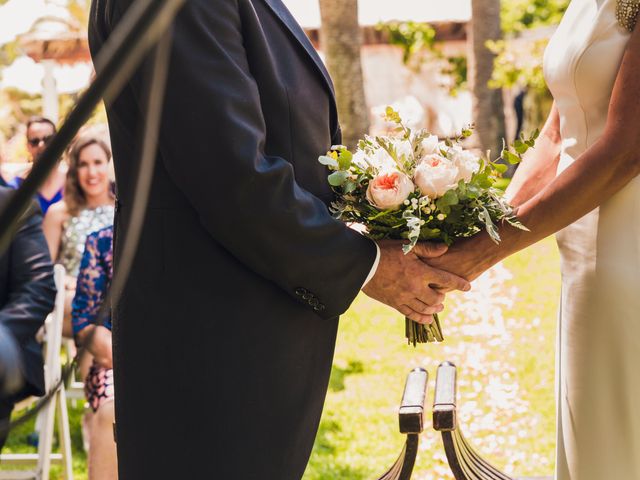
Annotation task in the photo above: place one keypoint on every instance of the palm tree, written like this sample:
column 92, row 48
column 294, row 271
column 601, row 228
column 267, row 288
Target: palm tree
column 488, row 108
column 341, row 41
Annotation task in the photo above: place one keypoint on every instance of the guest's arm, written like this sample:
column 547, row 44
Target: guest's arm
column 52, row 227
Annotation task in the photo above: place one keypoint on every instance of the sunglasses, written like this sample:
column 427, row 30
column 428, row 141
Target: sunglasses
column 35, row 142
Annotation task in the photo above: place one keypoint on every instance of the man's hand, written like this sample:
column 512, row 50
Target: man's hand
column 409, row 284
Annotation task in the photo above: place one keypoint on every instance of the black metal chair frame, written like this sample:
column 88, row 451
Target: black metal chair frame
column 411, row 423
column 464, row 461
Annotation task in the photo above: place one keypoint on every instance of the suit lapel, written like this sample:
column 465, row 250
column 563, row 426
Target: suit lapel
column 283, row 14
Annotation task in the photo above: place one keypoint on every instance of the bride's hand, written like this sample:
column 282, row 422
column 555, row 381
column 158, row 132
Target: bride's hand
column 467, row 258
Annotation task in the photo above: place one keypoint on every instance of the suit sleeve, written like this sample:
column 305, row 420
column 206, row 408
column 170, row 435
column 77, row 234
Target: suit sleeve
column 32, row 290
column 213, row 146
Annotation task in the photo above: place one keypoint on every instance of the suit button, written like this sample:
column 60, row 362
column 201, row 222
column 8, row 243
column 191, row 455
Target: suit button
column 300, row 291
column 314, row 302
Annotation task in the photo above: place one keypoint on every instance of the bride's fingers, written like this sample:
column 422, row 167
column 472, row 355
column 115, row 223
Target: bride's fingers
column 423, row 308
column 415, row 316
column 429, row 249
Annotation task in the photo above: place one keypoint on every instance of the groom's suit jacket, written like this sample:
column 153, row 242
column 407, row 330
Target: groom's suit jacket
column 224, row 334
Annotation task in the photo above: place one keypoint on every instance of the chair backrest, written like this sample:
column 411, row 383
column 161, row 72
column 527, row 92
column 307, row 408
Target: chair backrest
column 464, row 462
column 411, row 417
column 53, row 332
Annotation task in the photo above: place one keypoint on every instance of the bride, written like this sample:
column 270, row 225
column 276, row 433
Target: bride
column 581, row 181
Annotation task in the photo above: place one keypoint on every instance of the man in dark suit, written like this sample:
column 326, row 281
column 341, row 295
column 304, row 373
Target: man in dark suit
column 224, row 334
column 27, row 295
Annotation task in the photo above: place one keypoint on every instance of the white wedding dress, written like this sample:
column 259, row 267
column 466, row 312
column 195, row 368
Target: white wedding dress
column 599, row 332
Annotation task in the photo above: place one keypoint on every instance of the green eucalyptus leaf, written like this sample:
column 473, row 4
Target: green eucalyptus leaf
column 328, row 161
column 500, row 167
column 349, row 186
column 512, row 158
column 429, row 233
column 337, row 179
column 450, row 198
column 520, row 146
column 344, row 159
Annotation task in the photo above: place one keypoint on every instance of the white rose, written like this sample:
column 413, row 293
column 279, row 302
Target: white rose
column 430, row 145
column 404, row 148
column 389, row 190
column 435, row 175
column 382, row 160
column 467, row 164
column 360, row 159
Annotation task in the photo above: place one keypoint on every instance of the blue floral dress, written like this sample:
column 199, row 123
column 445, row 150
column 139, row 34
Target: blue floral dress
column 96, row 270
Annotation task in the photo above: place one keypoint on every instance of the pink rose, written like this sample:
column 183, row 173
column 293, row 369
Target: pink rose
column 389, row 190
column 435, row 176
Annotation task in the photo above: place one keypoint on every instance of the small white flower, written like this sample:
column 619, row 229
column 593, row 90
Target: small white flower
column 441, row 216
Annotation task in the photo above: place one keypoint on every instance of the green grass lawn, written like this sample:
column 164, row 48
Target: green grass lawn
column 501, row 336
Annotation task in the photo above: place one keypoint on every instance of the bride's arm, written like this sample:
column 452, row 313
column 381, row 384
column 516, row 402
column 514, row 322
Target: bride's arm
column 600, row 172
column 539, row 165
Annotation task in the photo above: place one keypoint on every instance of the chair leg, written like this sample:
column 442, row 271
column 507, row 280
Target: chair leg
column 45, row 444
column 64, row 434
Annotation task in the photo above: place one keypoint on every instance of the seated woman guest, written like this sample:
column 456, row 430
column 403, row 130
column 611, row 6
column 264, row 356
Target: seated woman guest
column 93, row 281
column 88, row 206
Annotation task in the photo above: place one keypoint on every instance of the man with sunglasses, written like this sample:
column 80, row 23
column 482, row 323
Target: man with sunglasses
column 40, row 131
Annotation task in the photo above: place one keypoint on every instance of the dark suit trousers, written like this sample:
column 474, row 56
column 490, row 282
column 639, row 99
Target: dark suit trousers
column 6, row 407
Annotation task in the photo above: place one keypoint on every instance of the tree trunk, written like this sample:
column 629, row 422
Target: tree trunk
column 488, row 108
column 341, row 42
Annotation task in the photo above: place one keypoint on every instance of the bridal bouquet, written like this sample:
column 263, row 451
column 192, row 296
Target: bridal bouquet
column 412, row 186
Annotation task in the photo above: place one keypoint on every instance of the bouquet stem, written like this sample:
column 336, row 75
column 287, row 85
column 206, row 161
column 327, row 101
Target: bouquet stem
column 420, row 333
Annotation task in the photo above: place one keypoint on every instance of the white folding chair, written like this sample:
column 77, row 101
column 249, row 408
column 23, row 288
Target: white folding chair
column 76, row 388
column 56, row 408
